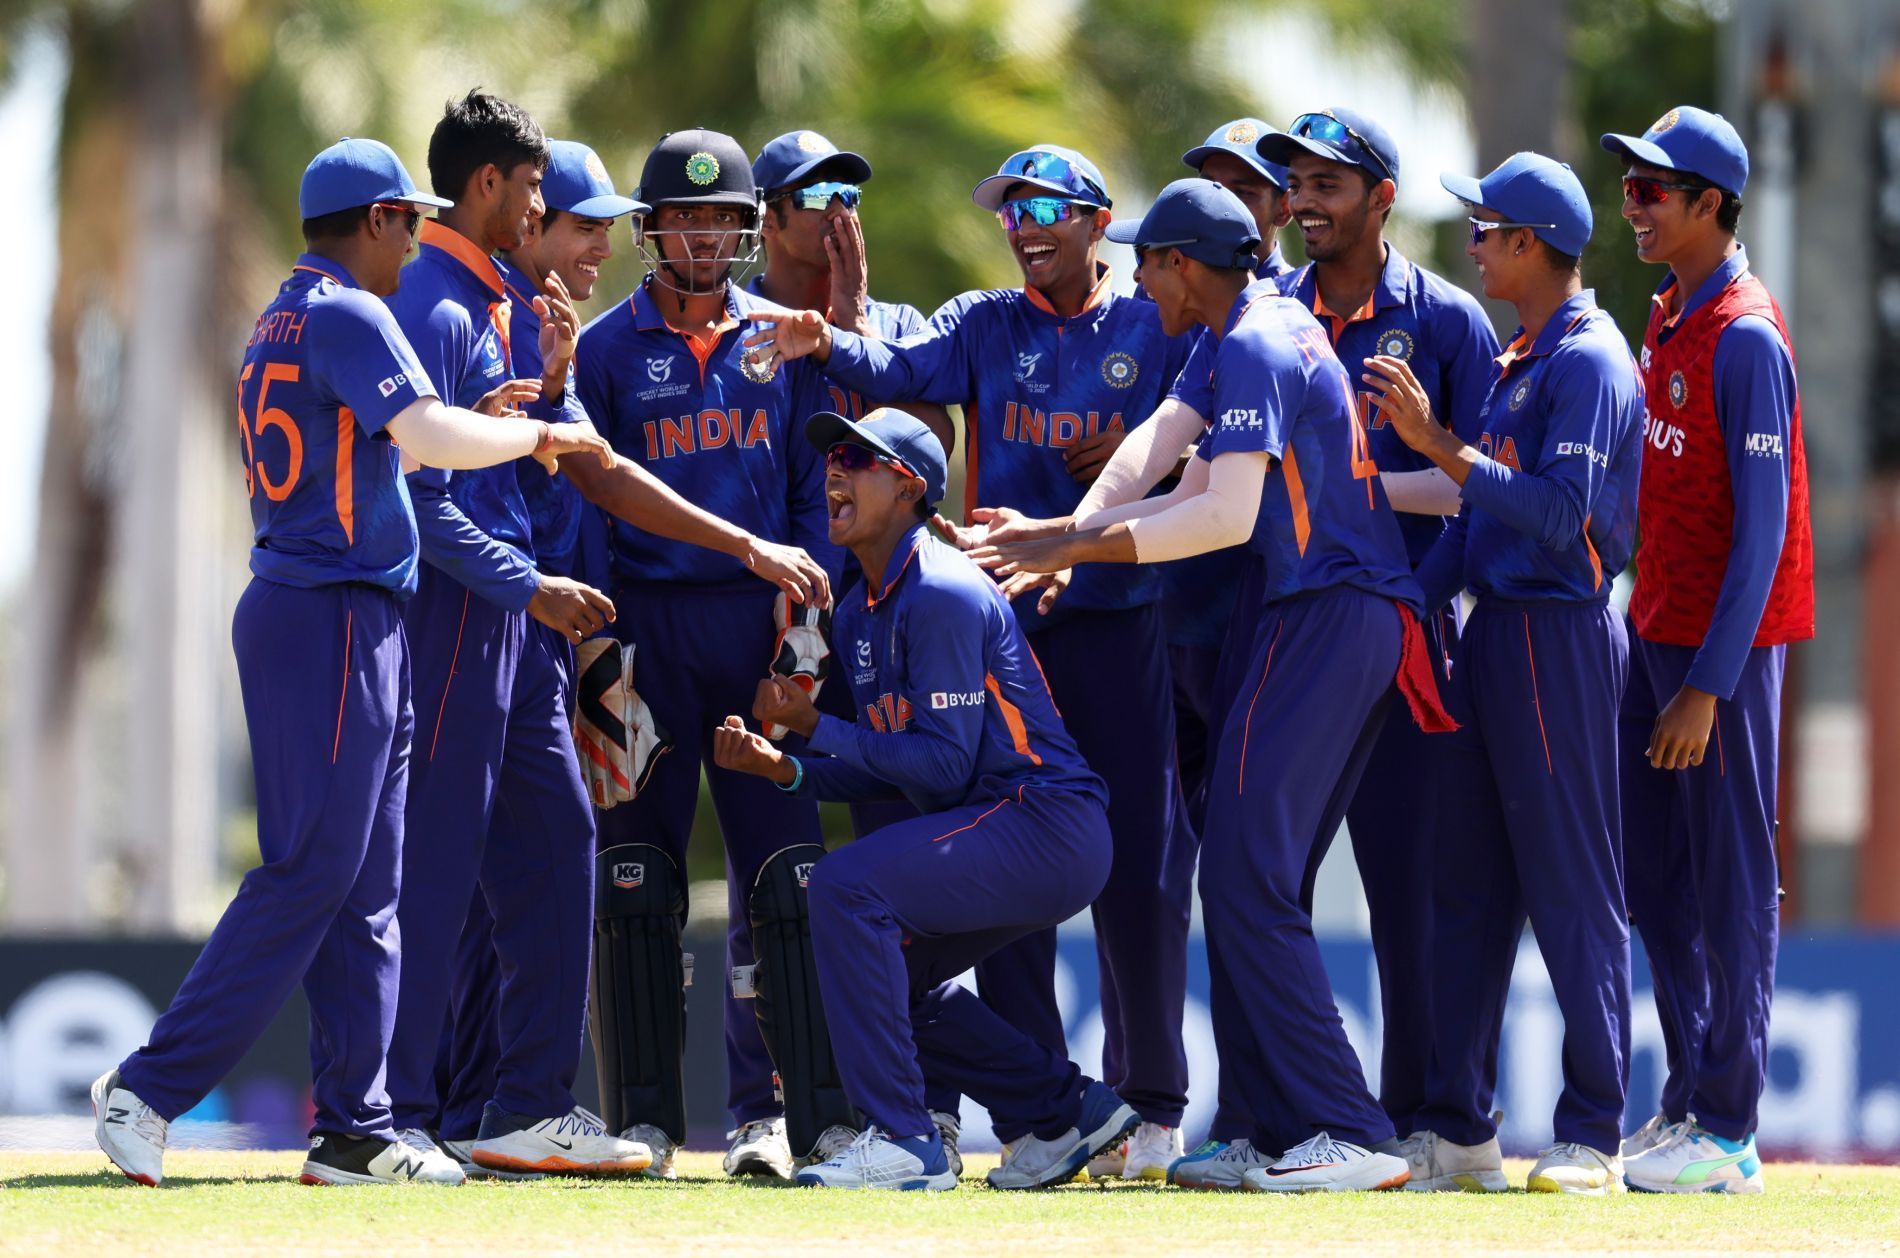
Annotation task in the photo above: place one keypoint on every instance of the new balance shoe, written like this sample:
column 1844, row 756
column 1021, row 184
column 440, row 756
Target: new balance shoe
column 1323, row 1164
column 1150, row 1151
column 659, row 1145
column 462, row 1153
column 1438, row 1165
column 337, row 1159
column 950, row 1131
column 759, row 1148
column 1576, row 1169
column 1040, row 1163
column 1218, row 1164
column 129, row 1131
column 873, row 1160
column 1695, row 1159
column 1647, row 1137
column 574, row 1143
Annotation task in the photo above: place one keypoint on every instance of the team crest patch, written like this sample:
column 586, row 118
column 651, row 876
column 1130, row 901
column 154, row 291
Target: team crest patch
column 1519, row 394
column 759, row 364
column 595, row 167
column 702, row 168
column 1120, row 370
column 811, row 142
column 1678, row 389
column 1242, row 133
column 1396, row 343
column 1667, row 121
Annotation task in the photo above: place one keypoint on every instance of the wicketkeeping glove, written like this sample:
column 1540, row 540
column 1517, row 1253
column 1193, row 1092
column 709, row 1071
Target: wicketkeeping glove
column 802, row 650
column 615, row 736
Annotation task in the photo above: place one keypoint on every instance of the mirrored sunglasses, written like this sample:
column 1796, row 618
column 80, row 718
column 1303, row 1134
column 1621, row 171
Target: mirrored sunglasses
column 1045, row 211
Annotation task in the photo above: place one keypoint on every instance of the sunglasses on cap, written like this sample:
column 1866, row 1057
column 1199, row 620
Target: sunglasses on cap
column 413, row 214
column 1479, row 226
column 1045, row 211
column 853, row 457
column 1329, row 130
column 1054, row 168
column 1646, row 191
column 817, row 196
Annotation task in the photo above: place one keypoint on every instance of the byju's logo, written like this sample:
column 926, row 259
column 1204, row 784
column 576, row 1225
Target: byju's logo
column 390, row 384
column 942, row 699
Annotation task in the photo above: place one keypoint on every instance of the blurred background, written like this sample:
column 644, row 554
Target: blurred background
column 156, row 147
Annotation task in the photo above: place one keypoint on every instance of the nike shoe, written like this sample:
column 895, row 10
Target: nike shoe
column 574, row 1143
column 1150, row 1151
column 759, row 1148
column 1323, row 1164
column 949, row 1130
column 1647, row 1137
column 1438, row 1165
column 1217, row 1164
column 1576, row 1169
column 337, row 1159
column 129, row 1131
column 1695, row 1159
column 462, row 1153
column 659, row 1144
column 873, row 1160
column 1039, row 1163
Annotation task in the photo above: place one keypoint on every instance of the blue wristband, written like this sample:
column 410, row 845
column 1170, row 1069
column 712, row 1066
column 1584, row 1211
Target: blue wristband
column 798, row 776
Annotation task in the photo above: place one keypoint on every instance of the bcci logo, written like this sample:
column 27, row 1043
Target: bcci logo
column 1518, row 394
column 659, row 370
column 629, row 874
column 595, row 169
column 803, row 874
column 759, row 364
column 1242, row 133
column 1678, row 390
column 702, row 168
column 1396, row 344
column 1667, row 121
column 811, row 142
column 1119, row 370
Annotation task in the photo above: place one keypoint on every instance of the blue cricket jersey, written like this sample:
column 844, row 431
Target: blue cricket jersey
column 1032, row 384
column 1324, row 518
column 452, row 306
column 889, row 320
column 687, row 412
column 952, row 705
column 553, row 504
column 1550, row 513
column 325, row 369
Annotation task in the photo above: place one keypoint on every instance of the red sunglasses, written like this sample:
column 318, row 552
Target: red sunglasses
column 855, row 458
column 1646, row 191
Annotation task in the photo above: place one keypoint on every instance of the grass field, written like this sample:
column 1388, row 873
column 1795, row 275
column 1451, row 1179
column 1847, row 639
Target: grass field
column 216, row 1203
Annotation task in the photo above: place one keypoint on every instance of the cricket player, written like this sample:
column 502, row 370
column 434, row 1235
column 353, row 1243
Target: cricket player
column 1529, row 821
column 1051, row 377
column 1725, row 581
column 1284, row 469
column 1011, row 836
column 329, row 388
column 1230, row 156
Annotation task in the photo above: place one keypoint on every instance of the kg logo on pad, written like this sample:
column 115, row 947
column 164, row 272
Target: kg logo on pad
column 629, row 874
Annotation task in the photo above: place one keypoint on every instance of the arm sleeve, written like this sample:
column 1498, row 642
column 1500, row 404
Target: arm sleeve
column 359, row 354
column 1441, row 574
column 1146, row 457
column 1468, row 350
column 1426, row 492
column 1754, row 405
column 1221, row 515
column 1550, row 500
column 829, row 778
column 935, row 754
column 933, row 364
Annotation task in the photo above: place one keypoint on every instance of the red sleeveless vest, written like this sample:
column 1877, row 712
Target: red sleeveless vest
column 1686, row 505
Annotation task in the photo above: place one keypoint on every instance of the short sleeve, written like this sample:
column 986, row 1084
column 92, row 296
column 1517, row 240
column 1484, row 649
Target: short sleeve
column 361, row 355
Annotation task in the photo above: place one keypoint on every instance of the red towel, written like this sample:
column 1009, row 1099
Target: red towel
column 1418, row 680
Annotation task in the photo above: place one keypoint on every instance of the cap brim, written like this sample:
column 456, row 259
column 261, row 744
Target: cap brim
column 1465, row 187
column 1195, row 158
column 608, row 205
column 847, row 167
column 1638, row 149
column 1123, row 231
column 423, row 198
column 991, row 193
column 827, row 428
column 1283, row 148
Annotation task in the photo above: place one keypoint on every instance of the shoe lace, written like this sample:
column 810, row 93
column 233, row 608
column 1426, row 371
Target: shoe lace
column 580, row 1121
column 1237, row 1151
column 758, row 1127
column 416, row 1138
column 833, row 1143
column 149, row 1126
column 1416, row 1144
column 949, row 1126
column 1571, row 1151
column 1310, row 1152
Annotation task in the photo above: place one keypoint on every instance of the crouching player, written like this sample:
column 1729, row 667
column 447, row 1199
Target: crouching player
column 1013, row 836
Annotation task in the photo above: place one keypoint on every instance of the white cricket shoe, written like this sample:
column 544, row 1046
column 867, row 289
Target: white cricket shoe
column 1150, row 1151
column 1323, row 1164
column 129, row 1131
column 1218, row 1164
column 1695, row 1159
column 659, row 1144
column 1647, row 1137
column 950, row 1131
column 759, row 1148
column 1039, row 1163
column 875, row 1161
column 574, row 1143
column 336, row 1159
column 832, row 1142
column 462, row 1153
column 1577, row 1169
column 1109, row 1162
column 1438, row 1165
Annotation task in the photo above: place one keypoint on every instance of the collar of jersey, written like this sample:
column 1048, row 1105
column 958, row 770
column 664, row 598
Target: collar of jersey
column 1562, row 320
column 1393, row 289
column 1096, row 297
column 1254, row 292
column 897, row 565
column 328, row 268
column 520, row 290
column 1733, row 268
column 465, row 251
column 647, row 316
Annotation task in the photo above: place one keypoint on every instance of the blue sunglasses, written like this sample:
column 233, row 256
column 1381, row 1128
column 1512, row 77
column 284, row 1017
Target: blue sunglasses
column 817, row 196
column 1329, row 130
column 1045, row 211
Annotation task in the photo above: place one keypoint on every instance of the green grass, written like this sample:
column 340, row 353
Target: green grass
column 241, row 1202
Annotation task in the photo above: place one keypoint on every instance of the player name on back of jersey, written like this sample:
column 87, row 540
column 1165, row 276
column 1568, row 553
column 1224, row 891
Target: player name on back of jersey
column 278, row 327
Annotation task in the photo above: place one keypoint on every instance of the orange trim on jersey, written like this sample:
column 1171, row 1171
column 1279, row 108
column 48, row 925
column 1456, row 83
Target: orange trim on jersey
column 465, row 251
column 872, row 600
column 969, row 460
column 317, row 270
column 454, row 659
column 1013, row 718
column 1536, row 702
column 1341, row 323
column 1097, row 295
column 1246, row 729
column 1296, row 496
column 1016, row 799
column 346, row 472
column 1596, row 561
column 1519, row 346
column 343, row 691
column 1721, row 760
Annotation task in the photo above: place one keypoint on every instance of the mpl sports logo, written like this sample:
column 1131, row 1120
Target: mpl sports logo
column 941, row 700
column 389, row 384
column 1588, row 451
column 1765, row 445
column 629, row 874
column 1241, row 417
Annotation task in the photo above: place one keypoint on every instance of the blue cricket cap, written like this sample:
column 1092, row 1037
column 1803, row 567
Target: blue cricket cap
column 796, row 157
column 1048, row 169
column 357, row 172
column 1338, row 135
column 897, row 435
column 576, row 182
column 1532, row 188
column 1201, row 219
column 1693, row 141
column 1241, row 138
